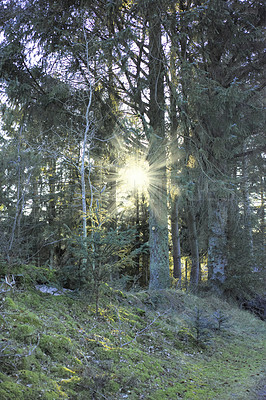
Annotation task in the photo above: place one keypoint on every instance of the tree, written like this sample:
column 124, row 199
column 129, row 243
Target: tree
column 158, row 221
column 215, row 80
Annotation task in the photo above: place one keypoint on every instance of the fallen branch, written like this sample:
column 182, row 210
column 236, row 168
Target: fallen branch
column 31, row 350
column 8, row 284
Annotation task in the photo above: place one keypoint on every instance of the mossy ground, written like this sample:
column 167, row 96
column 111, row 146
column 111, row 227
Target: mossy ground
column 140, row 346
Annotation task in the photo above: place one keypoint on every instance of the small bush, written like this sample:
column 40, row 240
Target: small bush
column 201, row 327
column 221, row 320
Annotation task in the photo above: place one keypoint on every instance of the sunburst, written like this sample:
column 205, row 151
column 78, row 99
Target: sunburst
column 133, row 177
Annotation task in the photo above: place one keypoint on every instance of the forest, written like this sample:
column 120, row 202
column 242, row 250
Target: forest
column 132, row 145
column 132, row 199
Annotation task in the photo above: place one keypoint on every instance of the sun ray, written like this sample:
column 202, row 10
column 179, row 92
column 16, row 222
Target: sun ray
column 134, row 176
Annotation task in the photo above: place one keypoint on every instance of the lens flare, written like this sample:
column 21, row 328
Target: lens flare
column 134, row 176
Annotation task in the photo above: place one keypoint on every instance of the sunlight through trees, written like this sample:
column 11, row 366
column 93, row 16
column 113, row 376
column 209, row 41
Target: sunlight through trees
column 144, row 115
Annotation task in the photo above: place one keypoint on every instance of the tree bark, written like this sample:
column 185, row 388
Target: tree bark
column 83, row 186
column 247, row 209
column 194, row 246
column 217, row 246
column 158, row 221
column 176, row 239
column 158, row 228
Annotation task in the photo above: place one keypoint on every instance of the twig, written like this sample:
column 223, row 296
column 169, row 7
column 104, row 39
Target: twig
column 31, row 350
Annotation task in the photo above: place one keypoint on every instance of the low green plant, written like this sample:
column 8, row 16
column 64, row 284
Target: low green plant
column 103, row 253
column 201, row 327
column 221, row 320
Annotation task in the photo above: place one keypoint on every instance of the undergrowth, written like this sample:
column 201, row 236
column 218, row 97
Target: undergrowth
column 154, row 346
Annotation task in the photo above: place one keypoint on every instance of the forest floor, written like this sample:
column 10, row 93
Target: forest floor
column 261, row 392
column 142, row 345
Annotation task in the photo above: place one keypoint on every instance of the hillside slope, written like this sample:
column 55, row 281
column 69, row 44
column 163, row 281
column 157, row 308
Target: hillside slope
column 154, row 346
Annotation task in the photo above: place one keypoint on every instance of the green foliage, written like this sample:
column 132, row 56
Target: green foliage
column 215, row 81
column 95, row 259
column 201, row 327
column 243, row 278
column 221, row 320
column 185, row 335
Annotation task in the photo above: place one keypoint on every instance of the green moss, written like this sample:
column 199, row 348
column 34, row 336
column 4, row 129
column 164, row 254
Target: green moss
column 56, row 346
column 29, row 318
column 9, row 303
column 54, row 395
column 112, row 386
column 61, row 371
column 184, row 334
column 29, row 388
column 23, row 333
column 33, row 274
column 126, row 351
column 71, row 382
column 76, row 361
column 37, row 384
column 32, row 377
column 140, row 312
column 169, row 334
column 30, row 362
column 58, row 325
column 184, row 389
column 34, row 300
column 10, row 390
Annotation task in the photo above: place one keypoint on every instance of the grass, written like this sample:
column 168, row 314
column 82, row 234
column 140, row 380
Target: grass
column 141, row 346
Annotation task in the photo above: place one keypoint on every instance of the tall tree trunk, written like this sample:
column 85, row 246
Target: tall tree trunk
column 262, row 208
column 177, row 273
column 87, row 132
column 261, row 213
column 158, row 221
column 217, row 246
column 158, row 228
column 19, row 198
column 186, row 274
column 247, row 209
column 137, row 242
column 145, row 239
column 83, row 186
column 176, row 239
column 51, row 183
column 194, row 247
